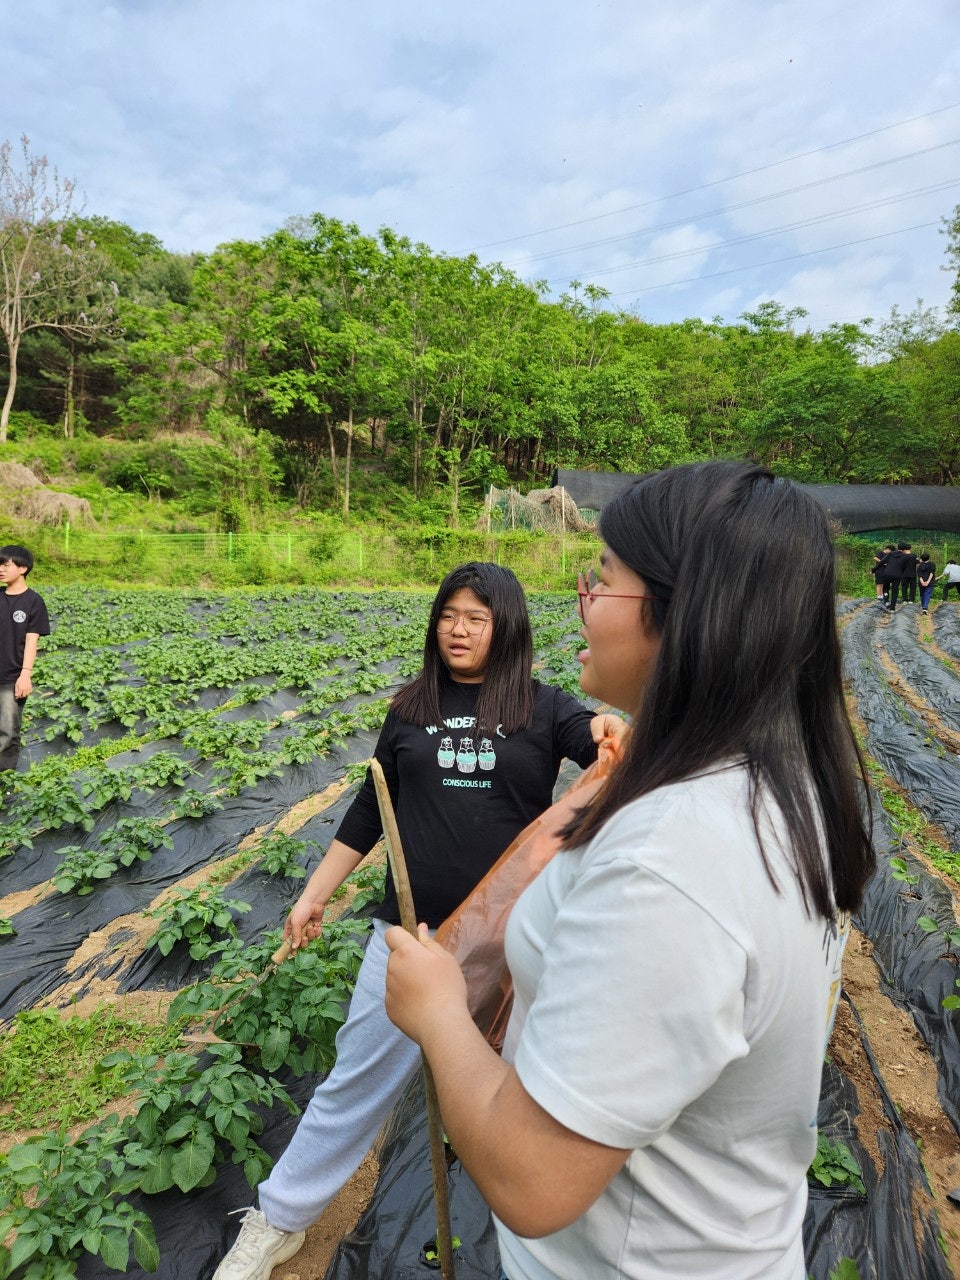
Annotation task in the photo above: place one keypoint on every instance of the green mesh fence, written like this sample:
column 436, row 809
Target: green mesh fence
column 360, row 558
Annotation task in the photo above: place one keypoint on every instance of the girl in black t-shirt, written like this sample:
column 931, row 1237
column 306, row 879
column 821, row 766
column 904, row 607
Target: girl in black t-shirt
column 470, row 750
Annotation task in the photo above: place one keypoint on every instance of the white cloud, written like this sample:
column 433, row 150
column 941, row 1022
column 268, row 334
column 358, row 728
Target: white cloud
column 210, row 120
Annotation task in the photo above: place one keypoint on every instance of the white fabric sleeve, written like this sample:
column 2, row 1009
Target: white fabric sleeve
column 639, row 1008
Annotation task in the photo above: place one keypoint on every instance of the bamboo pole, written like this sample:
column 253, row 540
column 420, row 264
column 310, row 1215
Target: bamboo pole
column 408, row 918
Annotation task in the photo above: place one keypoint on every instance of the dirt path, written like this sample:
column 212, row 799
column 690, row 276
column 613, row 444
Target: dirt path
column 910, row 1078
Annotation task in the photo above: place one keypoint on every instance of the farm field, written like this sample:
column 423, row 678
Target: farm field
column 190, row 756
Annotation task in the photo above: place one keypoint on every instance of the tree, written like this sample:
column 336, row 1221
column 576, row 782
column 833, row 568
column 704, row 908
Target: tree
column 829, row 419
column 53, row 276
column 950, row 227
column 316, row 335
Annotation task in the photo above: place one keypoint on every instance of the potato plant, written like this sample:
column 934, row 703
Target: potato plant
column 184, row 686
column 200, row 917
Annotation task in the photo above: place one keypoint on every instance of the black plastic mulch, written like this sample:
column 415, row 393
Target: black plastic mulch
column 936, row 684
column 896, row 735
column 31, row 968
column 917, row 969
column 946, row 627
column 891, row 1231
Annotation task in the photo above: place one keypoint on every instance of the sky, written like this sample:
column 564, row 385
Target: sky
column 694, row 158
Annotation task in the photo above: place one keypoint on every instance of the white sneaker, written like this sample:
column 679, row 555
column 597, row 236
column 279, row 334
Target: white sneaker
column 258, row 1249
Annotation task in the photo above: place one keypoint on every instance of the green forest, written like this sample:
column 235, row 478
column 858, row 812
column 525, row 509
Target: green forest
column 326, row 370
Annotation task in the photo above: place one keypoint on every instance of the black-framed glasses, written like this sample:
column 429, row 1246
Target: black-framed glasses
column 587, row 584
column 473, row 623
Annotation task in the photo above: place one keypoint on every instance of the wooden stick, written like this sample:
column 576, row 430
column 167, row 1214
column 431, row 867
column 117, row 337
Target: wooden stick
column 408, row 918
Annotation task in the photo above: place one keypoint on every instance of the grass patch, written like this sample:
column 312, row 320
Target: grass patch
column 909, row 823
column 51, row 1072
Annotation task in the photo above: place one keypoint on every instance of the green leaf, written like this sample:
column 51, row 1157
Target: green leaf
column 115, row 1249
column 181, row 1128
column 194, row 1159
column 159, row 1176
column 25, row 1156
column 145, row 1244
column 846, row 1269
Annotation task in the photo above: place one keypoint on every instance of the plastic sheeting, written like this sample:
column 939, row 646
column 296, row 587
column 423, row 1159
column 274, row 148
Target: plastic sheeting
column 64, row 921
column 928, row 677
column 858, row 507
column 400, row 1219
column 896, row 735
column 891, row 1231
column 917, row 969
column 195, row 1230
column 946, row 628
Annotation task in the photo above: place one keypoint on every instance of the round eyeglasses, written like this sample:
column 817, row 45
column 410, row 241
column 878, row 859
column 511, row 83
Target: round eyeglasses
column 473, row 623
column 587, row 584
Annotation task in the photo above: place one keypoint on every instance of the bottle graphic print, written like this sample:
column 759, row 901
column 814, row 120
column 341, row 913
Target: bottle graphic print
column 487, row 757
column 466, row 756
column 446, row 755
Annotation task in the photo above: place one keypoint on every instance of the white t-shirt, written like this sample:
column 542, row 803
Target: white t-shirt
column 670, row 1001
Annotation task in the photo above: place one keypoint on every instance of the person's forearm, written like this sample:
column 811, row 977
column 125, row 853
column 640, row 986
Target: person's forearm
column 469, row 1076
column 337, row 863
column 29, row 653
column 535, row 1175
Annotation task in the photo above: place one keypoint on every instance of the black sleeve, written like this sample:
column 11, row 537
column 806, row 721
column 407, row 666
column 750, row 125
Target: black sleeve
column 39, row 620
column 571, row 729
column 361, row 827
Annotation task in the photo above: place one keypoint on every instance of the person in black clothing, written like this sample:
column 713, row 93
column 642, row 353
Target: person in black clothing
column 926, row 573
column 908, row 577
column 879, row 561
column 892, row 570
column 470, row 750
column 23, row 619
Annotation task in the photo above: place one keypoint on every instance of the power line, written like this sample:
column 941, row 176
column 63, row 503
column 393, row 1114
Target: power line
column 754, row 266
column 742, row 204
column 772, row 231
column 802, row 155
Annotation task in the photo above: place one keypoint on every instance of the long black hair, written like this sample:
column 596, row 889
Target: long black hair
column 748, row 664
column 506, row 693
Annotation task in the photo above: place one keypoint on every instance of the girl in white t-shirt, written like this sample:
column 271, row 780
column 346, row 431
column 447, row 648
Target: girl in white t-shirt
column 677, row 964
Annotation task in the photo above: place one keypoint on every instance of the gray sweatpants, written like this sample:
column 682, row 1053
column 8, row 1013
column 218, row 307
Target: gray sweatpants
column 375, row 1062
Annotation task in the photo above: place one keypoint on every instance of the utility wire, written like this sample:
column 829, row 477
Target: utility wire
column 731, row 208
column 754, row 266
column 802, row 155
column 772, row 231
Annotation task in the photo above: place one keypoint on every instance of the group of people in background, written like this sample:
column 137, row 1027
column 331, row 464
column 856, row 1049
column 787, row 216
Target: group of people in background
column 898, row 572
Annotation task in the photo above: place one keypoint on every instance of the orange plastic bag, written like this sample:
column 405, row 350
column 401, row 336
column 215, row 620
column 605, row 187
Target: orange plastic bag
column 475, row 931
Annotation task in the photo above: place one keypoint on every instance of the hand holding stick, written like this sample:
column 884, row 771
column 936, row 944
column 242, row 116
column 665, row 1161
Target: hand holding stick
column 408, row 918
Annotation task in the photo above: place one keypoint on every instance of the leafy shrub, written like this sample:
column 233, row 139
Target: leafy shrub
column 63, row 1198
column 201, row 917
column 836, row 1163
column 127, row 841
column 293, row 1017
column 196, row 804
column 279, row 853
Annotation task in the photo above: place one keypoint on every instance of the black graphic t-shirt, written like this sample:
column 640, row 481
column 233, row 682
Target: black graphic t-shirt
column 20, row 615
column 461, row 797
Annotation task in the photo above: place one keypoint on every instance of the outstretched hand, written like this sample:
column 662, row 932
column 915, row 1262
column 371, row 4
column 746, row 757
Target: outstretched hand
column 424, row 982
